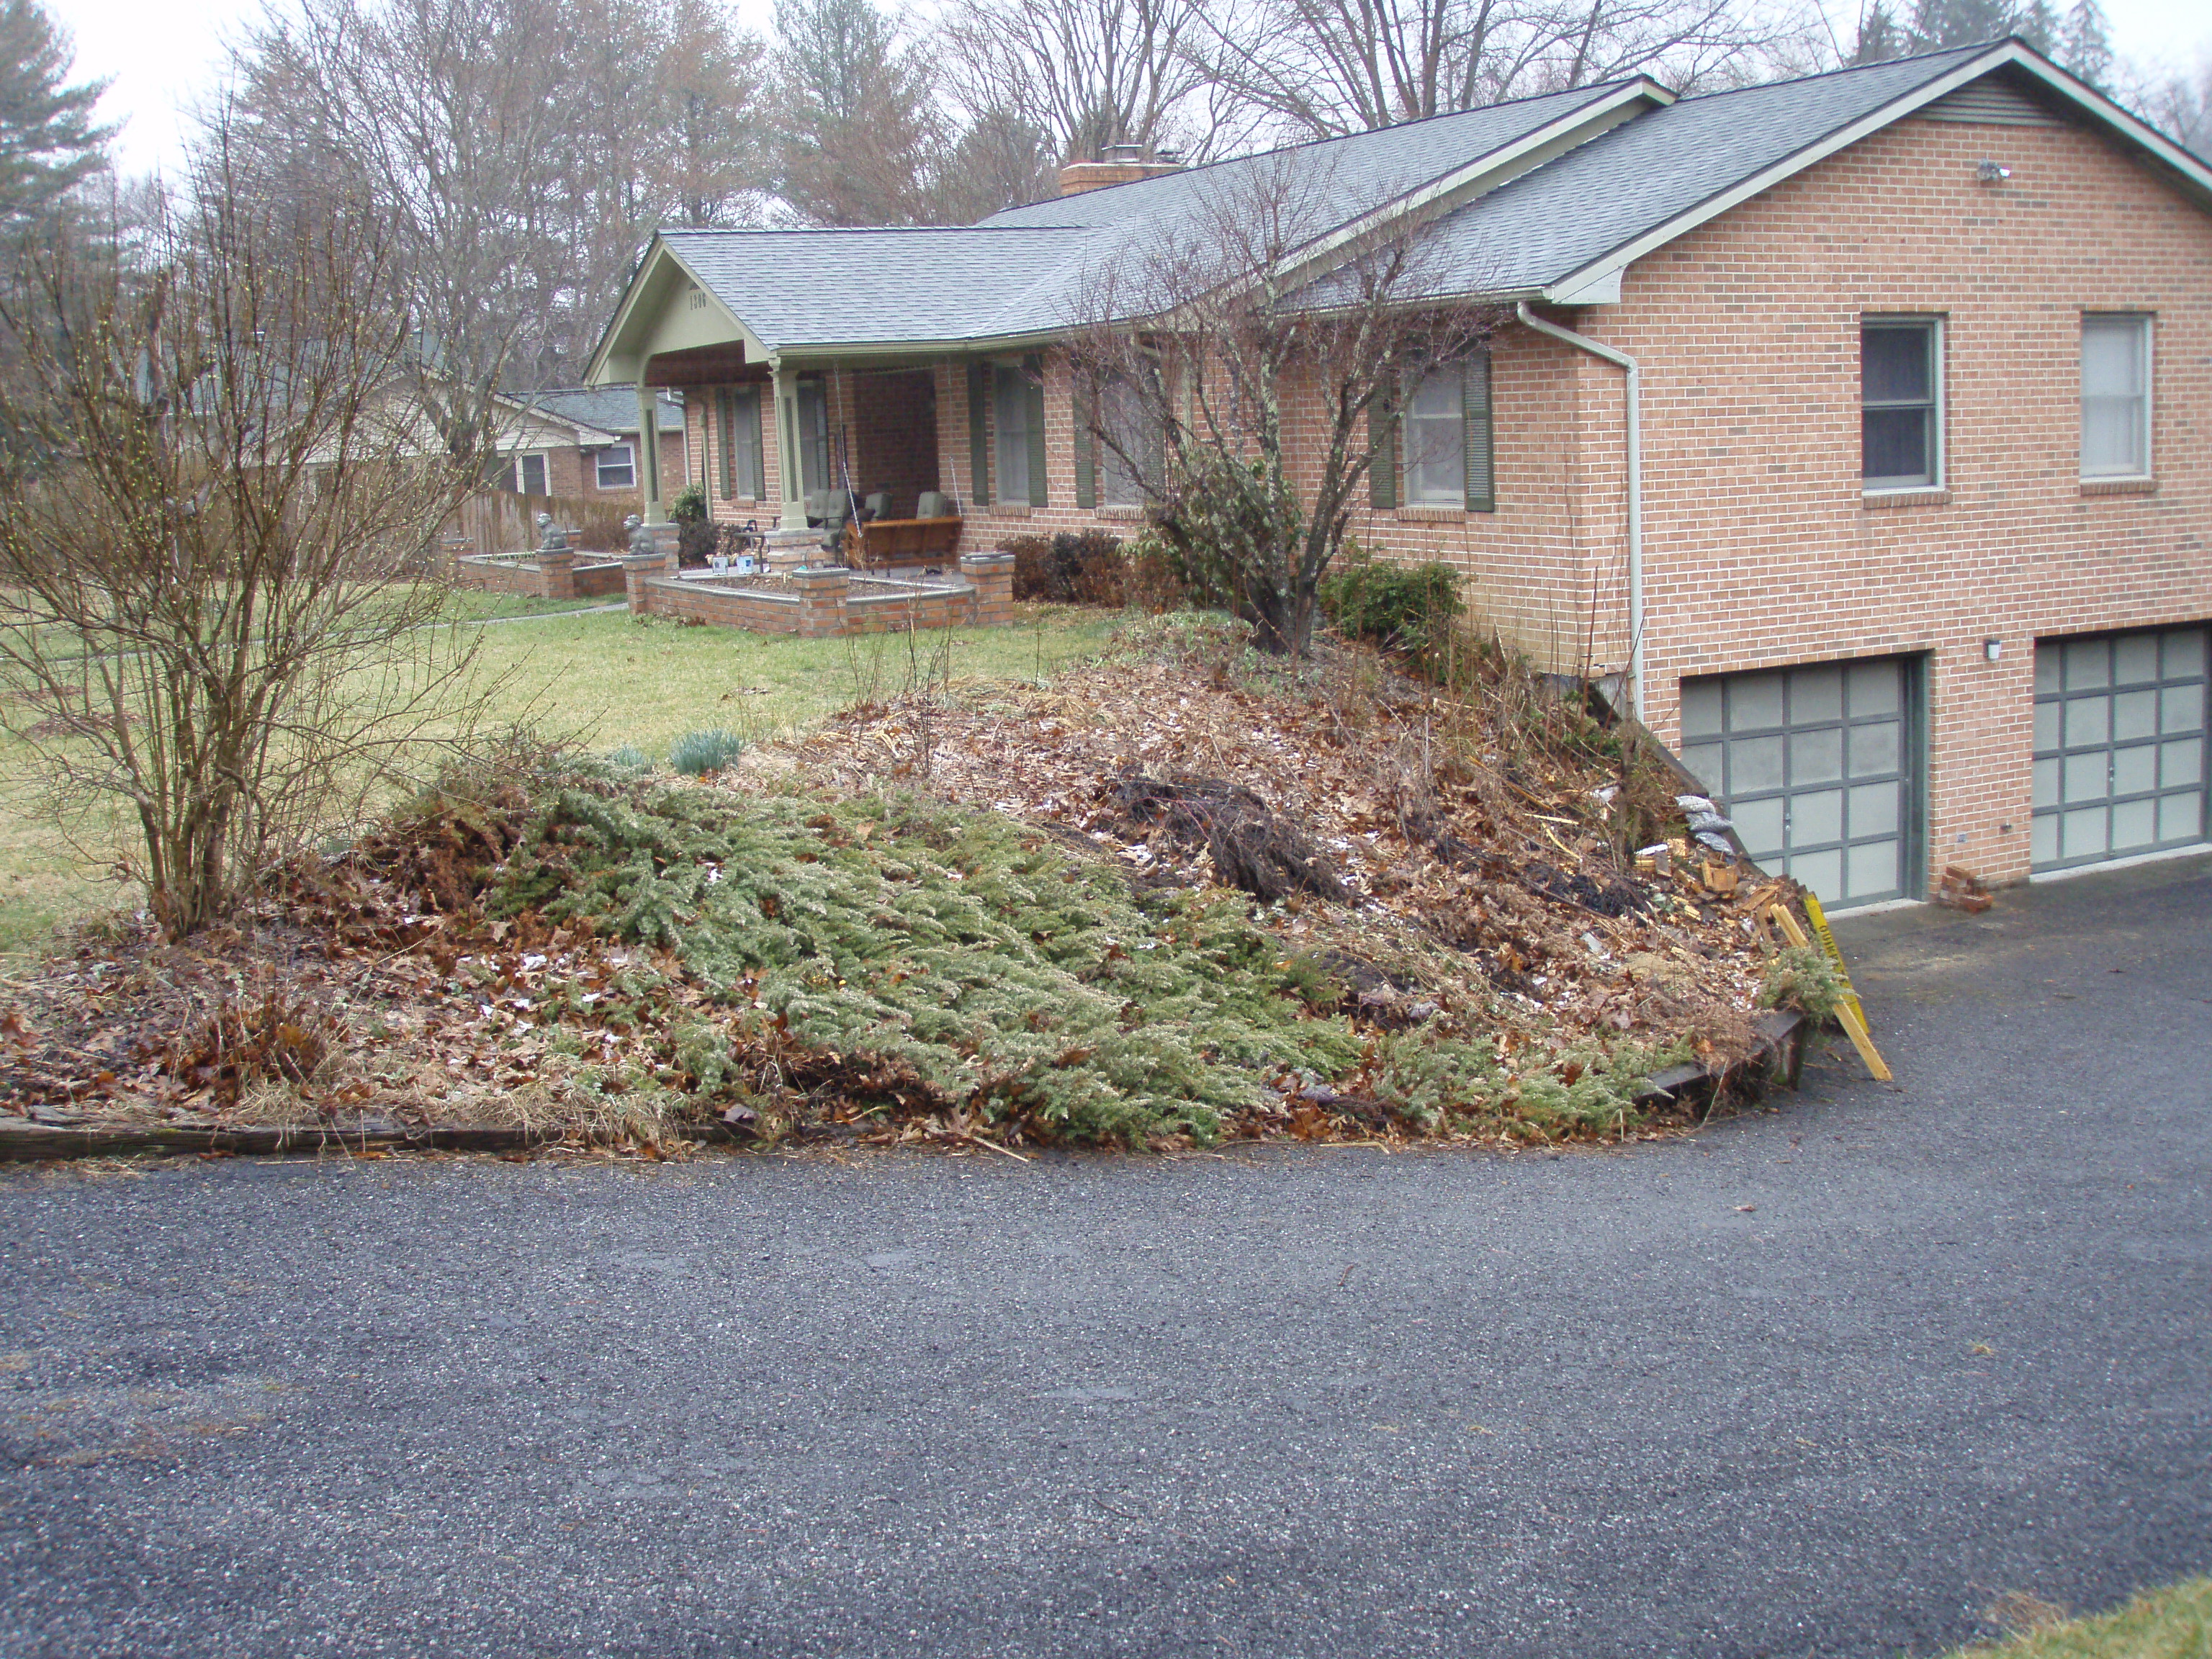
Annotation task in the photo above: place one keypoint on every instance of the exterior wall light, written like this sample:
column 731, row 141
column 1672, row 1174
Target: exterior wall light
column 1993, row 650
column 1992, row 172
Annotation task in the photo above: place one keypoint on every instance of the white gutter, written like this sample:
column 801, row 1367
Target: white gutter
column 1620, row 360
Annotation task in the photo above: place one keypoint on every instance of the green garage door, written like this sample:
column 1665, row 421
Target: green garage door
column 2119, row 746
column 1818, row 766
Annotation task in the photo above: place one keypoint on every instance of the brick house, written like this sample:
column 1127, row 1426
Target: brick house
column 1859, row 427
column 581, row 442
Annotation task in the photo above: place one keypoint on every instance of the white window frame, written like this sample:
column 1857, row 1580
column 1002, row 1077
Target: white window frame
column 521, row 458
column 1940, row 439
column 2147, row 326
column 1406, row 421
column 628, row 453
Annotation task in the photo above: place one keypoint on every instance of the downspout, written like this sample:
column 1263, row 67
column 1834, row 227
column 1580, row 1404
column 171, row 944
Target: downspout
column 1620, row 360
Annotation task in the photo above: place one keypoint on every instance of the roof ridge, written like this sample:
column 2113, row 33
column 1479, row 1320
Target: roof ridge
column 849, row 230
column 1969, row 51
column 1587, row 91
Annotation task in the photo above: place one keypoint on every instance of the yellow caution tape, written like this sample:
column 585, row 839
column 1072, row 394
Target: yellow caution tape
column 1835, row 954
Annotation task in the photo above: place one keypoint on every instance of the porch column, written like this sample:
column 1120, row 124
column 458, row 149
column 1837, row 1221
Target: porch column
column 786, row 447
column 648, row 453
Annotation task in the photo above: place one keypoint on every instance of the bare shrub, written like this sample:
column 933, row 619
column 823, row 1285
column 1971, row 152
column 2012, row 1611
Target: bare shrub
column 219, row 528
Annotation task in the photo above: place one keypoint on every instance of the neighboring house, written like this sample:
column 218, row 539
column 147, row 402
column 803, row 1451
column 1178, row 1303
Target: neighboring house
column 581, row 442
column 1921, row 538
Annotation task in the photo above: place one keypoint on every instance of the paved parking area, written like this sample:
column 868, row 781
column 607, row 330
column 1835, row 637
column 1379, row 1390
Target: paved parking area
column 1822, row 1380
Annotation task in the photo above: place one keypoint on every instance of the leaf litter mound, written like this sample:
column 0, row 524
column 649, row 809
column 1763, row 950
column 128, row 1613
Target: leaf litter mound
column 1173, row 896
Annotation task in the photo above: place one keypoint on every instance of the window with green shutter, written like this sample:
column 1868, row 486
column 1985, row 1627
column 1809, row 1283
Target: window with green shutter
column 978, row 433
column 1382, row 470
column 1086, row 452
column 1481, row 460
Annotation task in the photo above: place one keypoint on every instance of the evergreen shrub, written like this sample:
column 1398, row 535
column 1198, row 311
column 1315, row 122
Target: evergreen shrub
column 696, row 754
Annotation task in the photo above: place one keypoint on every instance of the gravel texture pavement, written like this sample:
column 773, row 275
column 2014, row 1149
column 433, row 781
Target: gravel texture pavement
column 1825, row 1379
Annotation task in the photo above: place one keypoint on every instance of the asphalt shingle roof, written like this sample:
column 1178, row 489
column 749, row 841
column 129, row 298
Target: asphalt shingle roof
column 1023, row 271
column 609, row 408
column 1551, row 222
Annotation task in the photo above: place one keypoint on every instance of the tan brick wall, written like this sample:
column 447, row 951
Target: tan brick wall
column 1760, row 547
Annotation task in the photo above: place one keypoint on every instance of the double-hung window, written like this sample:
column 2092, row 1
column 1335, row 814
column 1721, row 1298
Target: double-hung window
column 1444, row 436
column 526, row 475
column 813, row 413
column 738, row 419
column 1017, row 417
column 1131, row 450
column 1901, row 404
column 617, row 467
column 2115, row 397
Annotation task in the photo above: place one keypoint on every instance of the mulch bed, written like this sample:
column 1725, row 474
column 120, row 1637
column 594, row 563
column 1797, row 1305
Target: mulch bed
column 372, row 994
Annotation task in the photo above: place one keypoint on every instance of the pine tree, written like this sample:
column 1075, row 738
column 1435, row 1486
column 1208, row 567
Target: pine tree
column 2084, row 44
column 1880, row 40
column 48, row 142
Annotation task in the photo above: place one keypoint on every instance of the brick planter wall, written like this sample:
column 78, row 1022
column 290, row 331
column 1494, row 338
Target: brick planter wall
column 830, row 602
column 542, row 576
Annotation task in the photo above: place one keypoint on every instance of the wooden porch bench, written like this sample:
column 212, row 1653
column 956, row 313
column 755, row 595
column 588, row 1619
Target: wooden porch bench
column 884, row 542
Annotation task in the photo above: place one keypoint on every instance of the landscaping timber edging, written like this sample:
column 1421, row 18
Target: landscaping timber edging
column 1781, row 1055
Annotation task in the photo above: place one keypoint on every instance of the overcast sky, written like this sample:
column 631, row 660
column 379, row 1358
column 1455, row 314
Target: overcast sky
column 165, row 56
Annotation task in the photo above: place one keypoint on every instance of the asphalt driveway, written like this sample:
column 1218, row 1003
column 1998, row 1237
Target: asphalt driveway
column 1820, row 1380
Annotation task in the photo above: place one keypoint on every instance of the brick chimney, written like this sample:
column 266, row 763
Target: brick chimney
column 1118, row 164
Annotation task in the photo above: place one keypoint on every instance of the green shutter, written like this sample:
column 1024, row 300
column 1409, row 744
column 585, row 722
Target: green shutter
column 1383, row 471
column 726, row 427
column 1482, row 458
column 1086, row 454
column 1033, row 389
column 978, row 433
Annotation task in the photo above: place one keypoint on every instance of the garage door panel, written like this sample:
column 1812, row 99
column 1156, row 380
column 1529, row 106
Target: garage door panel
column 2087, row 833
column 1755, row 764
column 2086, row 776
column 2089, row 720
column 1701, row 711
column 1877, row 747
column 2046, row 781
column 2135, row 770
column 2180, row 819
column 1815, row 694
column 1874, row 866
column 1816, row 757
column 2119, row 744
column 2135, row 825
column 1759, row 826
column 1822, row 871
column 2181, row 764
column 1875, row 809
column 1810, row 763
column 2135, row 659
column 2088, row 665
column 1754, row 702
column 2134, row 714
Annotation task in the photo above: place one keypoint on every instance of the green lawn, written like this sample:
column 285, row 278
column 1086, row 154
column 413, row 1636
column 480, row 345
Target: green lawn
column 2174, row 1622
column 601, row 680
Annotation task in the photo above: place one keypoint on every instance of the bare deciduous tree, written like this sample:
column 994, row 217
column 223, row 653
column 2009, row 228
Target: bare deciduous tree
column 521, row 159
column 1327, row 67
column 1089, row 73
column 219, row 522
column 1245, row 383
